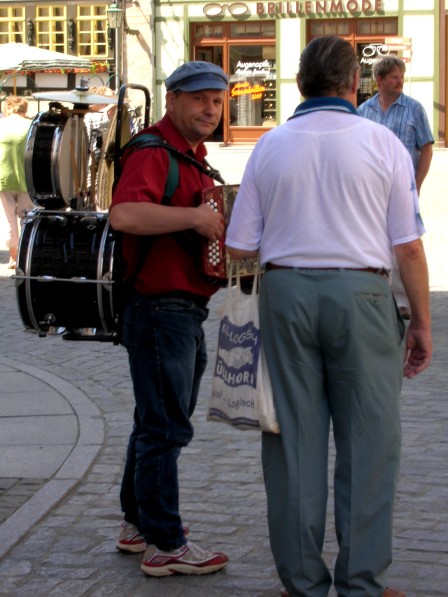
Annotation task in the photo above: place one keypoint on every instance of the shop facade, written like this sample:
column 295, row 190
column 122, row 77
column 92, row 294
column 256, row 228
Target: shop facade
column 258, row 44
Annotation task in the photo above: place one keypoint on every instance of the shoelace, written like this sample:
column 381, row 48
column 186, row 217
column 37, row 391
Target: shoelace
column 197, row 551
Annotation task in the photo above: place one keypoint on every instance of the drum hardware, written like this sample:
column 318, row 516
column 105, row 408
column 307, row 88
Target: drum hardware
column 55, row 111
column 120, row 119
column 77, row 203
column 48, row 323
column 57, row 219
column 76, row 280
column 90, row 221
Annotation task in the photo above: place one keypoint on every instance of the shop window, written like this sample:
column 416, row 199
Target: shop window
column 51, row 28
column 208, row 30
column 252, row 29
column 253, row 86
column 352, row 27
column 246, row 51
column 327, row 27
column 92, row 31
column 210, row 54
column 12, row 24
column 377, row 26
column 368, row 54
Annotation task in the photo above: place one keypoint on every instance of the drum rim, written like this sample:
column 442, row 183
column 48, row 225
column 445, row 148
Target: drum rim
column 57, row 197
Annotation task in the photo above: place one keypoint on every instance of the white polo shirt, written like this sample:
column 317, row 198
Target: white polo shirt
column 326, row 189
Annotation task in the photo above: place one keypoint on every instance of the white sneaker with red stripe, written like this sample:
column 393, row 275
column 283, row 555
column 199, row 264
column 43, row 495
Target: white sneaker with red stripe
column 130, row 539
column 188, row 559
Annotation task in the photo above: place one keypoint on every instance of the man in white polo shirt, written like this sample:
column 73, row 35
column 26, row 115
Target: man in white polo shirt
column 325, row 200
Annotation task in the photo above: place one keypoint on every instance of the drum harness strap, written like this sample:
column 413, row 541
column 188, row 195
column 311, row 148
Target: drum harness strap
column 147, row 140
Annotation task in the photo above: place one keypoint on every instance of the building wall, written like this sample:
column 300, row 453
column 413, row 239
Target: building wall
column 138, row 48
column 156, row 39
column 417, row 19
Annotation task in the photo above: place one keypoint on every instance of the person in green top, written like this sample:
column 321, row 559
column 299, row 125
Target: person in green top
column 16, row 201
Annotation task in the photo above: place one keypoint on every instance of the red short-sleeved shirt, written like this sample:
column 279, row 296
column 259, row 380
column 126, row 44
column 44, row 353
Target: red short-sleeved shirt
column 169, row 265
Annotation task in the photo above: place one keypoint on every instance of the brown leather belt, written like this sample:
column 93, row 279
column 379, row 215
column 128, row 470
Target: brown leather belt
column 372, row 270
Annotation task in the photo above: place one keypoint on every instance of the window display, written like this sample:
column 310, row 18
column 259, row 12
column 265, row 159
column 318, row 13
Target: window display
column 252, row 86
column 246, row 50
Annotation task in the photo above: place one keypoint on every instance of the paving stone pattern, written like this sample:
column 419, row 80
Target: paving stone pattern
column 14, row 493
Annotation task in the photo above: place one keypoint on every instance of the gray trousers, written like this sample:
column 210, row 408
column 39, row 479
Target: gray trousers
column 333, row 341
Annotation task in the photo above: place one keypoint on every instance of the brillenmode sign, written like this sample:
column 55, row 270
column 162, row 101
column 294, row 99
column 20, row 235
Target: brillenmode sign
column 323, row 7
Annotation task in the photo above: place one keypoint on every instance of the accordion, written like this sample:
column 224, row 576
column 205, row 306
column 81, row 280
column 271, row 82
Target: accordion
column 215, row 259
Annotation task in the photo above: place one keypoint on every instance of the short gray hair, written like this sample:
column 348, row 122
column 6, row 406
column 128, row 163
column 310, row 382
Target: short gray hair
column 328, row 64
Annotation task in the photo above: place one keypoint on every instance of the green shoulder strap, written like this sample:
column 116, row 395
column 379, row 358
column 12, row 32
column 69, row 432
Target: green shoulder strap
column 172, row 180
column 148, row 140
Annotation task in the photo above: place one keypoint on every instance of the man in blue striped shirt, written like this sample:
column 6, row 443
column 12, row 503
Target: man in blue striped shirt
column 407, row 119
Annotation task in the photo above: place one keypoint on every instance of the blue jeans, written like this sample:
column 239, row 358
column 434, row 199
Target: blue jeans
column 167, row 356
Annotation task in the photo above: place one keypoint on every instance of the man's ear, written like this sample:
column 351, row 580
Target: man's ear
column 355, row 84
column 298, row 83
column 169, row 100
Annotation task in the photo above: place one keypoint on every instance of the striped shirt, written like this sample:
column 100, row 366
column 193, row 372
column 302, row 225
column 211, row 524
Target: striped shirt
column 406, row 118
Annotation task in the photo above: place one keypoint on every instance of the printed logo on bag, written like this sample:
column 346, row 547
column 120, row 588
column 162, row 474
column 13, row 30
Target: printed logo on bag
column 238, row 353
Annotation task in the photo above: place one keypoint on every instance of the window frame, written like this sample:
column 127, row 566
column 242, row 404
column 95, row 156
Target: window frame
column 94, row 32
column 12, row 20
column 52, row 20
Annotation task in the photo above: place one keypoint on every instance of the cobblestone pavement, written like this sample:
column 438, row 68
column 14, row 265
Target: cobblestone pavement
column 71, row 550
column 15, row 492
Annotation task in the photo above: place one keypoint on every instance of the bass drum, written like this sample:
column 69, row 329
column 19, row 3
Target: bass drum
column 56, row 159
column 67, row 272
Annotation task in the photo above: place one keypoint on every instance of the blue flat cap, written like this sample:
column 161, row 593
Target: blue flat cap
column 196, row 75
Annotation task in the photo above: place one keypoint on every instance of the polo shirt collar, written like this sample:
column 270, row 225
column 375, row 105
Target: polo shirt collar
column 325, row 103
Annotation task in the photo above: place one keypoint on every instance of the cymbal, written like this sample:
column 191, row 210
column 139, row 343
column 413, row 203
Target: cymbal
column 76, row 96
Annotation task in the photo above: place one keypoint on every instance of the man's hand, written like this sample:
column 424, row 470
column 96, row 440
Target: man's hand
column 418, row 351
column 414, row 275
column 209, row 223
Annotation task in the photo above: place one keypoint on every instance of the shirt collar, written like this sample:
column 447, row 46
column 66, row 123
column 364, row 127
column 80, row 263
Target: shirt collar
column 400, row 100
column 324, row 103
